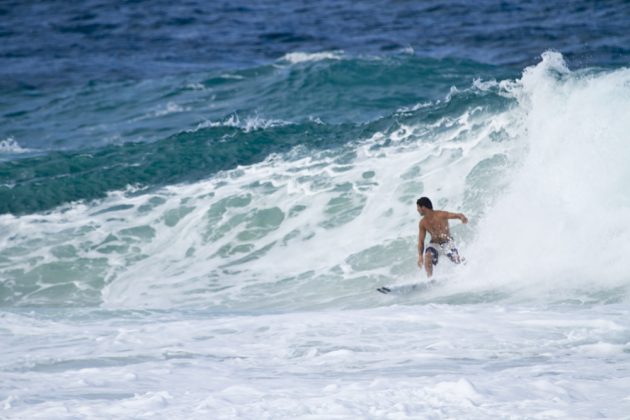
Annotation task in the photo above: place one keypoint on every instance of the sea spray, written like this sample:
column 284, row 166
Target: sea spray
column 563, row 223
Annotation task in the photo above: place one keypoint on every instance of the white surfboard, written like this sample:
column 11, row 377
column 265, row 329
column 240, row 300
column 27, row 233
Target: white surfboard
column 407, row 287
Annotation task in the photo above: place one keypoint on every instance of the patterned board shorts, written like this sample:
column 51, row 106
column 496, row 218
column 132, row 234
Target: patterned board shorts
column 446, row 248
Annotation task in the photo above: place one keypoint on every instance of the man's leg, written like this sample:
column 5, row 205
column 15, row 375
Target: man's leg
column 428, row 263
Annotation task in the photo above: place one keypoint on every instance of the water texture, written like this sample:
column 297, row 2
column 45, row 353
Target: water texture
column 198, row 201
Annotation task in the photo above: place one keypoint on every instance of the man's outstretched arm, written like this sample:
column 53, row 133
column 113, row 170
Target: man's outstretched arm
column 459, row 216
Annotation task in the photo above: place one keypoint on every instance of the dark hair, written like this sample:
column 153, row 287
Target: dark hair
column 424, row 202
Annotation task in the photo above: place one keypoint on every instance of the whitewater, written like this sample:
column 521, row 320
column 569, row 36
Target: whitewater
column 251, row 293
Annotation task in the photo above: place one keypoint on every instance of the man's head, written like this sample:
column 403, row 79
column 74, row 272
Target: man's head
column 423, row 204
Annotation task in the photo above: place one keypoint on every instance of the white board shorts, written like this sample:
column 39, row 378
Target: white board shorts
column 447, row 248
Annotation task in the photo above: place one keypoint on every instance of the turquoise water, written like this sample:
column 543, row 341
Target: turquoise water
column 185, row 129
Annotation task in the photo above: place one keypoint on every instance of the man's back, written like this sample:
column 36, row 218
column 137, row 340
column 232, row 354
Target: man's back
column 436, row 224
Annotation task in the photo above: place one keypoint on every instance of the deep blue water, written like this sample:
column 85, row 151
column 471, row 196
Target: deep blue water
column 55, row 43
column 157, row 86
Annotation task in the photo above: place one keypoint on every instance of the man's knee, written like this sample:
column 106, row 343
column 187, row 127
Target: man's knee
column 428, row 258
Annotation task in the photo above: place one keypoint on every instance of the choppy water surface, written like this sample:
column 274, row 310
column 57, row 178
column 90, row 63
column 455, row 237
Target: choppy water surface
column 198, row 202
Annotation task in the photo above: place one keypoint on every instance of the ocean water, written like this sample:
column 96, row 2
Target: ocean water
column 199, row 200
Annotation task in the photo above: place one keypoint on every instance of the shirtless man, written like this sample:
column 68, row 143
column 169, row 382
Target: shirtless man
column 436, row 223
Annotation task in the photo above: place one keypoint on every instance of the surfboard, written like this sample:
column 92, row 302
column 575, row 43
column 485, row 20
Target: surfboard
column 407, row 287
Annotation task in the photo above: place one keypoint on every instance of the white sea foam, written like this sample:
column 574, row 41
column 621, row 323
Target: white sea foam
column 301, row 57
column 10, row 146
column 249, row 123
column 564, row 221
column 410, row 109
column 169, row 108
column 231, row 76
column 433, row 361
column 196, row 86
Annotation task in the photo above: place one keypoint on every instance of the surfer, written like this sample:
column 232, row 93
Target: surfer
column 436, row 223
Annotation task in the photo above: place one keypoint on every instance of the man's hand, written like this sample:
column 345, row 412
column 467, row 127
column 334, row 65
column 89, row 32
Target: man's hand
column 463, row 218
column 420, row 261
